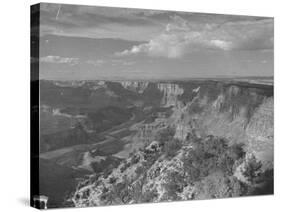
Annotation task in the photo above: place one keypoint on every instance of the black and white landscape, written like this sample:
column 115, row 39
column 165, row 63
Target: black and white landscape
column 142, row 106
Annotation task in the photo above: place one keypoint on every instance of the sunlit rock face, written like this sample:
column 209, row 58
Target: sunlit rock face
column 135, row 86
column 170, row 93
column 239, row 114
column 260, row 131
column 98, row 85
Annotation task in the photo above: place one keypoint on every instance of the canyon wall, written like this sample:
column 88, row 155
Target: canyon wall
column 219, row 127
column 238, row 112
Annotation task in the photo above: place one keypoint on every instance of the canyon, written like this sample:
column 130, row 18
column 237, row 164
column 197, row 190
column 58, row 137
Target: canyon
column 135, row 137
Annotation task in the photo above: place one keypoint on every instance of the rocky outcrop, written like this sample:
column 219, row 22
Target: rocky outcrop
column 140, row 185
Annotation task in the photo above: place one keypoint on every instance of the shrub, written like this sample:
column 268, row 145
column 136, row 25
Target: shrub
column 236, row 151
column 135, row 159
column 112, row 180
column 149, row 196
column 252, row 169
column 175, row 183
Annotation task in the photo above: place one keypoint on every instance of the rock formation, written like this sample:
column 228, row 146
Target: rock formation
column 136, row 86
column 170, row 93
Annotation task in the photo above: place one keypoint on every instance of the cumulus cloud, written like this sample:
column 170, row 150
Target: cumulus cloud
column 60, row 60
column 181, row 37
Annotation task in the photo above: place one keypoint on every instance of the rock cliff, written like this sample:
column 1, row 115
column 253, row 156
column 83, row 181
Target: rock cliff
column 171, row 92
column 136, row 86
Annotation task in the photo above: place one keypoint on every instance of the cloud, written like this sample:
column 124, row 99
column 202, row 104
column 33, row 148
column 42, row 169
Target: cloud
column 96, row 22
column 112, row 62
column 181, row 37
column 143, row 25
column 59, row 60
column 221, row 44
column 97, row 62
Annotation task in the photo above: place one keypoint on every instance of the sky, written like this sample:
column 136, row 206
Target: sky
column 90, row 43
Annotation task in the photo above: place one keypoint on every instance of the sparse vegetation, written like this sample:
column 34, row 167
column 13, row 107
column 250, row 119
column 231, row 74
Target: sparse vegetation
column 252, row 169
column 174, row 184
column 218, row 185
column 210, row 155
column 149, row 196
